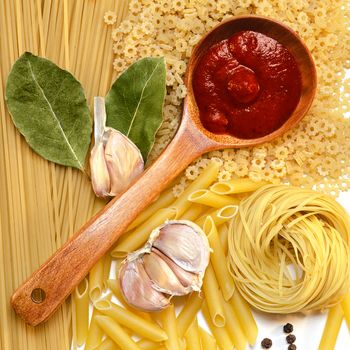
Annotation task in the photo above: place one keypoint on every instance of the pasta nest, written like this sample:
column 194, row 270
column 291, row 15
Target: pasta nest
column 289, row 250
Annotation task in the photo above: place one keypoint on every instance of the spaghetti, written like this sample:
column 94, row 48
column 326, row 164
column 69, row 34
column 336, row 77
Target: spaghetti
column 289, row 250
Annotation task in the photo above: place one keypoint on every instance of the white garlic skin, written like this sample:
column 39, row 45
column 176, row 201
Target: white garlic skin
column 115, row 161
column 178, row 269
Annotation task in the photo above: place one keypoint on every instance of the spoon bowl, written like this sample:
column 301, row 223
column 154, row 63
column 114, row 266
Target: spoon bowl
column 275, row 30
column 38, row 297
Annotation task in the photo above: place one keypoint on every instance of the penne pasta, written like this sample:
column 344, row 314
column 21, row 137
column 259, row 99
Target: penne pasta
column 233, row 326
column 205, row 179
column 211, row 199
column 96, row 280
column 107, row 344
column 192, row 213
column 220, row 333
column 81, row 300
column 163, row 201
column 140, row 235
column 219, row 216
column 346, row 309
column 146, row 344
column 331, row 328
column 106, row 269
column 128, row 319
column 212, row 297
column 116, row 333
column 218, row 259
column 237, row 186
column 169, row 325
column 95, row 333
column 188, row 313
column 223, row 234
column 245, row 317
column 208, row 342
column 192, row 337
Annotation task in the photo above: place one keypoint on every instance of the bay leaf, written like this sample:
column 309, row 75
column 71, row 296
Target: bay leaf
column 49, row 108
column 135, row 101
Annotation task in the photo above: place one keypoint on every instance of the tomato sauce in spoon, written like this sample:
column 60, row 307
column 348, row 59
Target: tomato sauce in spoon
column 246, row 86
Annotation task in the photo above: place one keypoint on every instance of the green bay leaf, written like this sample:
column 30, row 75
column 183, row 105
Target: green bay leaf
column 134, row 104
column 49, row 108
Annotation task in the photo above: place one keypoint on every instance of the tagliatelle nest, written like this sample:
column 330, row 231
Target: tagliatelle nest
column 316, row 152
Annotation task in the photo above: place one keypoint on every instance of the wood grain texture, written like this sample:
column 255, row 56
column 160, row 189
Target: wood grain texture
column 68, row 266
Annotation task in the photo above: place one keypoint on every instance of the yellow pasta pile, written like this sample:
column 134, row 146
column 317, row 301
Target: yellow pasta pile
column 289, row 250
column 317, row 152
column 227, row 314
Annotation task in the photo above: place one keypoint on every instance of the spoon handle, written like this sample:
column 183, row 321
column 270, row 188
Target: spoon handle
column 38, row 298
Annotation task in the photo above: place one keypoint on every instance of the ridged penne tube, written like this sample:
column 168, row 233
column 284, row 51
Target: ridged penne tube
column 106, row 270
column 95, row 333
column 223, row 234
column 212, row 297
column 108, row 344
column 116, row 333
column 163, row 201
column 331, row 328
column 192, row 338
column 237, row 186
column 81, row 299
column 140, row 235
column 346, row 309
column 204, row 180
column 96, row 280
column 169, row 325
column 233, row 327
column 219, row 216
column 126, row 318
column 188, row 313
column 218, row 259
column 146, row 344
column 220, row 333
column 192, row 213
column 245, row 317
column 207, row 340
column 211, row 199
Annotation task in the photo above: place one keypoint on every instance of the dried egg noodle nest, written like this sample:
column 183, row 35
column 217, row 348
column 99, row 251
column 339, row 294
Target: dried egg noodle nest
column 289, row 250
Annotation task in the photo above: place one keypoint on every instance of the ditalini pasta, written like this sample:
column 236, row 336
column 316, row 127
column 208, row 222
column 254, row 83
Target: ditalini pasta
column 281, row 231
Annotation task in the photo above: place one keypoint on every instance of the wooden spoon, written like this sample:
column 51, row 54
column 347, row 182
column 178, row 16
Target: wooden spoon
column 38, row 298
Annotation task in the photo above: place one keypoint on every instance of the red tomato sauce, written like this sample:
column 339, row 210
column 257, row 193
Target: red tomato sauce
column 246, row 86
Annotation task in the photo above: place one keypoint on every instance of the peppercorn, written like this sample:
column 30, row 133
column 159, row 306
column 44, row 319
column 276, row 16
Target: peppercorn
column 266, row 343
column 290, row 338
column 292, row 347
column 288, row 328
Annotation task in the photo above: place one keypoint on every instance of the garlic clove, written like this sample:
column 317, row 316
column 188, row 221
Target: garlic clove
column 137, row 289
column 163, row 278
column 99, row 172
column 124, row 161
column 187, row 279
column 185, row 244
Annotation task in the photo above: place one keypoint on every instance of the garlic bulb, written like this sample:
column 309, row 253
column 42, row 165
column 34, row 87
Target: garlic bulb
column 172, row 262
column 115, row 160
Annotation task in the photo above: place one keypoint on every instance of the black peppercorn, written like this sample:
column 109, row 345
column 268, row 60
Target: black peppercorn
column 288, row 328
column 266, row 343
column 290, row 338
column 292, row 347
